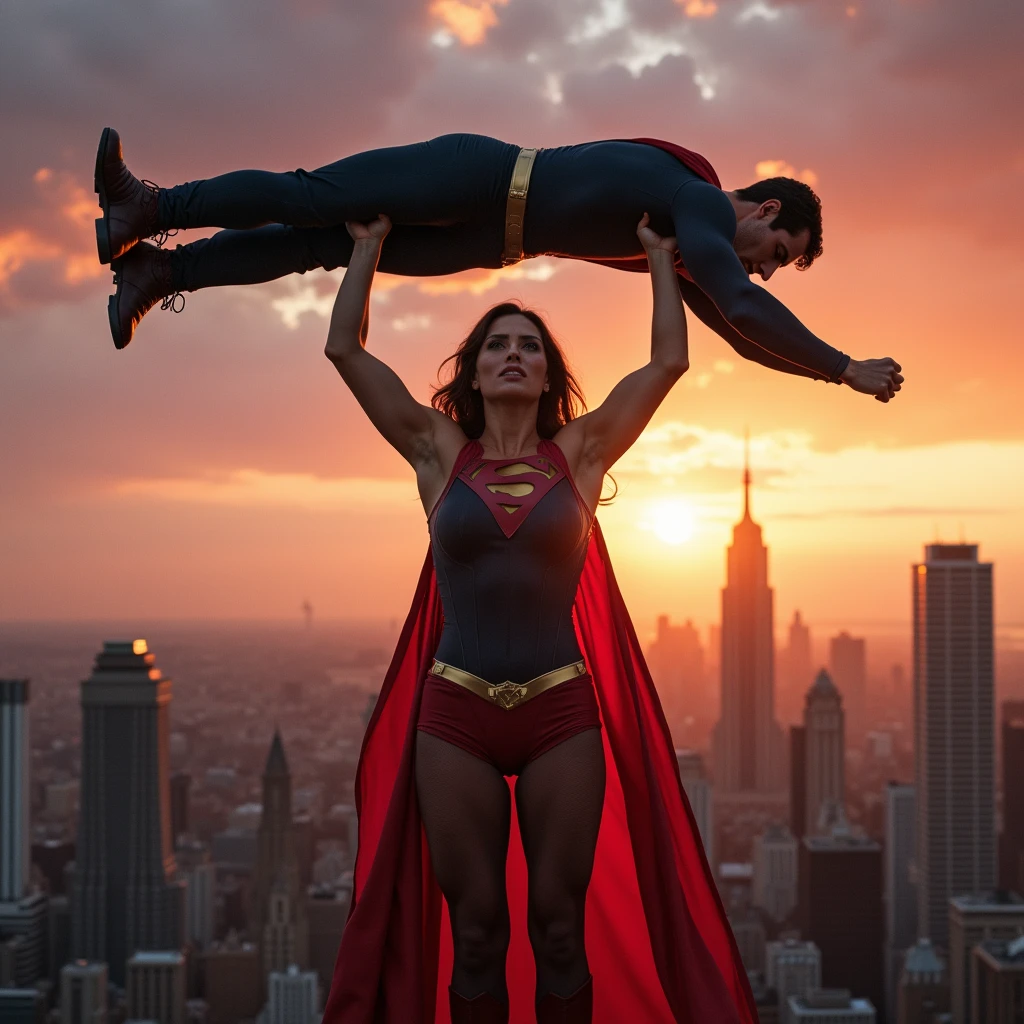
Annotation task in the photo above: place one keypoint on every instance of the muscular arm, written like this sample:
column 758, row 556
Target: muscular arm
column 707, row 312
column 594, row 442
column 705, row 226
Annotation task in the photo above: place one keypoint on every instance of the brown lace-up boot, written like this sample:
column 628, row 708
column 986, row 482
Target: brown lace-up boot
column 143, row 278
column 484, row 1009
column 129, row 205
column 577, row 1009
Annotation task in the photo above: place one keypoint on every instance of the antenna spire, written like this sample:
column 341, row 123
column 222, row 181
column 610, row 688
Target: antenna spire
column 746, row 474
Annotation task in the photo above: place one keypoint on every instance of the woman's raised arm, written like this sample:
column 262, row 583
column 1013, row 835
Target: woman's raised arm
column 595, row 441
column 411, row 428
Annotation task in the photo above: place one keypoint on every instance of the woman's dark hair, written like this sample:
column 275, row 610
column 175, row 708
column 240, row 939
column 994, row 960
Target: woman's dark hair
column 800, row 210
column 457, row 398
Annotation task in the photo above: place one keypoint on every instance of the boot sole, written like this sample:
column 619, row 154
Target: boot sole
column 102, row 228
column 115, row 323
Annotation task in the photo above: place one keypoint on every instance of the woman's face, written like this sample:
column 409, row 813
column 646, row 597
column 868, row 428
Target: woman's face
column 511, row 363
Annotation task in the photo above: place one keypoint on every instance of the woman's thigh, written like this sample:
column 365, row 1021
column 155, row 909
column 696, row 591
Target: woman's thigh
column 466, row 810
column 559, row 799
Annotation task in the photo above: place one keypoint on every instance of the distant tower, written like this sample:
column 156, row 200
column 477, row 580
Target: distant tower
column 748, row 743
column 954, row 763
column 797, row 672
column 125, row 896
column 900, row 849
column 156, row 987
column 798, row 781
column 278, row 916
column 293, row 997
column 701, row 798
column 825, row 753
column 15, row 754
column 847, row 661
column 775, row 868
column 23, row 908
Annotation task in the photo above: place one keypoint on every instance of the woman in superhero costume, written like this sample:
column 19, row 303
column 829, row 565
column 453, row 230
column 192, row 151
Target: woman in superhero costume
column 518, row 660
column 460, row 201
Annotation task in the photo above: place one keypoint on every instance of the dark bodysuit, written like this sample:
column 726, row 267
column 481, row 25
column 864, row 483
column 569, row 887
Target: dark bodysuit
column 509, row 538
column 446, row 199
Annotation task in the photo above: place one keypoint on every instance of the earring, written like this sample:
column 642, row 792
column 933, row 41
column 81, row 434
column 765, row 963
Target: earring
column 475, row 385
column 547, row 387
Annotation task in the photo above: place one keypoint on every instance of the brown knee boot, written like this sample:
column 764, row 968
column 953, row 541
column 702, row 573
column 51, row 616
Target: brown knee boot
column 576, row 1009
column 484, row 1009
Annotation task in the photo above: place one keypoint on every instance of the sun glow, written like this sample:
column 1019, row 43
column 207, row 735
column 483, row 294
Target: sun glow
column 671, row 520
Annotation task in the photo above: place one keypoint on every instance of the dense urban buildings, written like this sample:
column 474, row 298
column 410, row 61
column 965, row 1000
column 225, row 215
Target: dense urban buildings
column 900, row 890
column 954, row 740
column 1011, row 841
column 824, row 755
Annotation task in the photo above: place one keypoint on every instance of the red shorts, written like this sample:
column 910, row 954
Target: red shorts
column 508, row 739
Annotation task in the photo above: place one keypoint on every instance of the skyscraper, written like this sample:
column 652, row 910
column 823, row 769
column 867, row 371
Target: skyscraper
column 23, row 908
column 825, row 753
column 847, row 661
column 953, row 731
column 292, row 997
column 775, row 872
column 798, row 781
column 792, row 968
column 83, row 993
column 796, row 671
column 841, row 910
column 15, row 754
column 125, row 897
column 156, row 987
column 279, row 921
column 676, row 661
column 1011, row 842
column 900, row 890
column 748, row 744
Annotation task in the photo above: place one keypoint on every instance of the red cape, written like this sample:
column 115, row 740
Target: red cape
column 658, row 942
column 700, row 166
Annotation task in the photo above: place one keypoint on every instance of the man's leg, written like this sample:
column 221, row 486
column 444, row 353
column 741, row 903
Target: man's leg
column 448, row 180
column 265, row 254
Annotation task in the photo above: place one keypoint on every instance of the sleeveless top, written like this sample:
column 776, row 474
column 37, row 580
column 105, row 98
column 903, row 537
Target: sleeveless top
column 509, row 537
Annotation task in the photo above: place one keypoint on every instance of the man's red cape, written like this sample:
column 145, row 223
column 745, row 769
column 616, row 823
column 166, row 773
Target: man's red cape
column 700, row 166
column 658, row 942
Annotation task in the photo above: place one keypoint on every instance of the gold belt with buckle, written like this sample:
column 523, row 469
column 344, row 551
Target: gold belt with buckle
column 508, row 695
column 515, row 210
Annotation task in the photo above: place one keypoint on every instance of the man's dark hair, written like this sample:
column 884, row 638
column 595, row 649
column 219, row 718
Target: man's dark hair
column 800, row 210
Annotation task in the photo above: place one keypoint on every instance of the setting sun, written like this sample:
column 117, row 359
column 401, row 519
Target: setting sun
column 671, row 520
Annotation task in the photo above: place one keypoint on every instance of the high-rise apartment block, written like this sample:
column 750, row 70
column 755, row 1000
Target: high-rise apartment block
column 997, row 982
column 292, row 997
column 775, row 872
column 156, row 987
column 748, row 744
column 83, row 993
column 125, row 896
column 841, row 910
column 792, row 968
column 954, row 749
column 923, row 990
column 973, row 919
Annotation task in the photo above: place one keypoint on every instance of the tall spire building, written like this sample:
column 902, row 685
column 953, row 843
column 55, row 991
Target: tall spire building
column 954, row 732
column 125, row 895
column 748, row 743
column 279, row 920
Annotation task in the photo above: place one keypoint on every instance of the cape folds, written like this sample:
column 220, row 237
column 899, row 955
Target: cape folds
column 659, row 945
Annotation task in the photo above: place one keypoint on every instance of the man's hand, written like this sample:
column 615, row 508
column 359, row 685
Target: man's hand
column 878, row 377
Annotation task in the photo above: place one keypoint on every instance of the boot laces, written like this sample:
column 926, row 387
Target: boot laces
column 159, row 237
column 171, row 302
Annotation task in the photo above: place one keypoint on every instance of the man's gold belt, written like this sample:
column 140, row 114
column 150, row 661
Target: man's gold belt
column 515, row 210
column 508, row 695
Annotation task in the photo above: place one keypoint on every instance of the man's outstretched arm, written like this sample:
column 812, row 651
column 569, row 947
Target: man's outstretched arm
column 705, row 227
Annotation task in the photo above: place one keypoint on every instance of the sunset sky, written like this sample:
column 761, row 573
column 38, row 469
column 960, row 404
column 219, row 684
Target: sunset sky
column 218, row 467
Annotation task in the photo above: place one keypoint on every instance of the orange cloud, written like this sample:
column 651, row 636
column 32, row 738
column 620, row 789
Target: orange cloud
column 782, row 169
column 19, row 247
column 698, row 8
column 467, row 20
